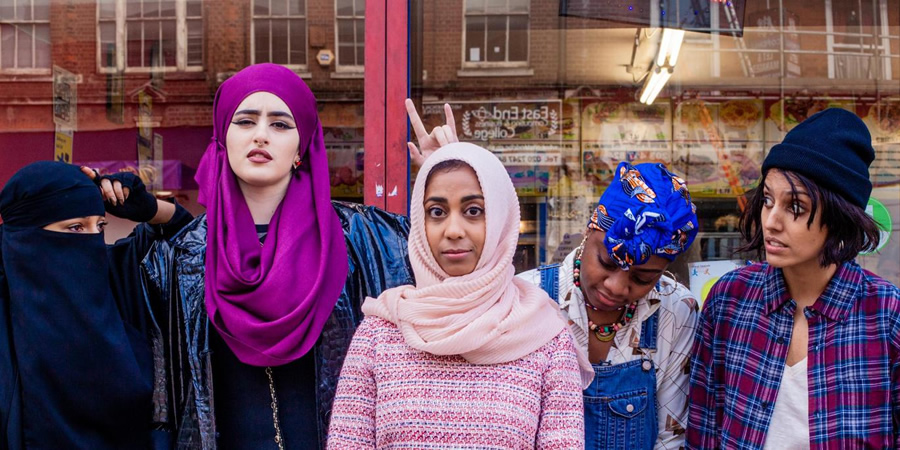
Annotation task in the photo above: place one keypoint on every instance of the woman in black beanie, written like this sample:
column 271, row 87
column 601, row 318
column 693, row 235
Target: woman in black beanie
column 75, row 368
column 802, row 350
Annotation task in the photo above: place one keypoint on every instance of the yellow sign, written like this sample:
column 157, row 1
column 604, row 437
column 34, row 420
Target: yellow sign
column 145, row 127
column 63, row 146
column 65, row 97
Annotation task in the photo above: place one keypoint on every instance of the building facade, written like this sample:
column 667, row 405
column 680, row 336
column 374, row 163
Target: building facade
column 553, row 87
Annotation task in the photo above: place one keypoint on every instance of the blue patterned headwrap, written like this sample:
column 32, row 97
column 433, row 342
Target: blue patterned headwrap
column 645, row 211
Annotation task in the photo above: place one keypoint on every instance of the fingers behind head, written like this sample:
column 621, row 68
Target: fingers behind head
column 415, row 120
column 440, row 136
column 451, row 121
column 450, row 133
column 415, row 156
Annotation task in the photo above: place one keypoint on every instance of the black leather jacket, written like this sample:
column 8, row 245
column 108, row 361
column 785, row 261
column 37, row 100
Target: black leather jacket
column 173, row 281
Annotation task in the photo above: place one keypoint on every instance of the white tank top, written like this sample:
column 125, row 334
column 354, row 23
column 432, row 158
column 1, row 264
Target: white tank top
column 789, row 427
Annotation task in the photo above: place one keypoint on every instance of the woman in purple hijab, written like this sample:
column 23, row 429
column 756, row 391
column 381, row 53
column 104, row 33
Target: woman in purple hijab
column 260, row 296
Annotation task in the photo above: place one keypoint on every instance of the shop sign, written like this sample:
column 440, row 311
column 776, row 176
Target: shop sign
column 530, row 159
column 500, row 120
column 512, row 120
column 63, row 145
column 65, row 98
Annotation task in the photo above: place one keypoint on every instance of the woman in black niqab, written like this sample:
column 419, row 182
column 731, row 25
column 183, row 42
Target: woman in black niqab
column 73, row 374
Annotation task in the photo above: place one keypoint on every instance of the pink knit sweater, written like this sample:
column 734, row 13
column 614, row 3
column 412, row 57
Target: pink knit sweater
column 393, row 396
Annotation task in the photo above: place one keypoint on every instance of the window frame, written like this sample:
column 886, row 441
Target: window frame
column 29, row 70
column 299, row 68
column 496, row 64
column 356, row 68
column 882, row 49
column 181, row 44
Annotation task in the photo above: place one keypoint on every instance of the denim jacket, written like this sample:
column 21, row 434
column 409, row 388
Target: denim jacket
column 173, row 282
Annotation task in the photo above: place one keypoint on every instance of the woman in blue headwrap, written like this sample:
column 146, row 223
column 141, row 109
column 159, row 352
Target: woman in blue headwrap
column 75, row 370
column 633, row 322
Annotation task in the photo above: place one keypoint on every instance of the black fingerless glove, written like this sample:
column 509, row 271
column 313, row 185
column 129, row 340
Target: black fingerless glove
column 140, row 206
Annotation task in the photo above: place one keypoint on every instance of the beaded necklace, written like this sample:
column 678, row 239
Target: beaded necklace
column 606, row 333
column 603, row 333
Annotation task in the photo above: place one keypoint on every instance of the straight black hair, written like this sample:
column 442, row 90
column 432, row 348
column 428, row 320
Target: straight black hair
column 850, row 229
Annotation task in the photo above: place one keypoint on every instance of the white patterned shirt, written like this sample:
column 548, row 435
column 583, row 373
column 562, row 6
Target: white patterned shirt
column 678, row 314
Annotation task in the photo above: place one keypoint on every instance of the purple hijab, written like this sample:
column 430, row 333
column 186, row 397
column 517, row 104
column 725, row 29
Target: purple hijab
column 270, row 303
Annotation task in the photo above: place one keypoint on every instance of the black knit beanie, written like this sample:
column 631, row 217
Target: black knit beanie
column 833, row 148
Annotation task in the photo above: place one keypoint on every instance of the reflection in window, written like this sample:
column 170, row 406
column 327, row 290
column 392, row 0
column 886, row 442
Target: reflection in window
column 279, row 32
column 860, row 39
column 350, row 21
column 154, row 34
column 496, row 32
column 25, row 35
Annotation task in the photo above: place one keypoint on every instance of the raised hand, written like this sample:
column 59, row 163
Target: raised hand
column 429, row 142
column 125, row 195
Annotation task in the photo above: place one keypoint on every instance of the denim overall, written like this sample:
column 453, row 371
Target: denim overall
column 620, row 404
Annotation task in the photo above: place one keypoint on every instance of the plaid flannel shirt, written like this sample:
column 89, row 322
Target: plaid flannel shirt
column 853, row 360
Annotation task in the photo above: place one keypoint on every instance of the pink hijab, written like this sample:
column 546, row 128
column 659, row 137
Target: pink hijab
column 488, row 316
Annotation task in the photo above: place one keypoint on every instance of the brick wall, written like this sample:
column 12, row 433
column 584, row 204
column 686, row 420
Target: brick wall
column 186, row 97
column 576, row 45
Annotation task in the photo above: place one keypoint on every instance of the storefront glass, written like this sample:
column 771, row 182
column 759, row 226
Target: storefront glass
column 129, row 84
column 555, row 89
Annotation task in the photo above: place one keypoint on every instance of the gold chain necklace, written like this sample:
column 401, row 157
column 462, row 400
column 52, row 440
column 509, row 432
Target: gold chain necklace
column 278, row 439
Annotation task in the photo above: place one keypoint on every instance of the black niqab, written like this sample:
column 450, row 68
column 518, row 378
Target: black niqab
column 70, row 376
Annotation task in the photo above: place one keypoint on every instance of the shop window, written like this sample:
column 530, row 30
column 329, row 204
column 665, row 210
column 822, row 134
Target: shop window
column 25, row 36
column 350, row 24
column 496, row 33
column 279, row 32
column 143, row 35
column 858, row 39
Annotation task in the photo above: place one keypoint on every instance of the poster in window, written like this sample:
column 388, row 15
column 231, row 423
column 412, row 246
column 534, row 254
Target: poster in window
column 613, row 132
column 719, row 145
column 883, row 121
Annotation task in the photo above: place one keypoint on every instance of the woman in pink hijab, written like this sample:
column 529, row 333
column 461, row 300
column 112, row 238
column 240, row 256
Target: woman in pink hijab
column 471, row 356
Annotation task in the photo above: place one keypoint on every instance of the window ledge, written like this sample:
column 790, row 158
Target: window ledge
column 495, row 72
column 8, row 78
column 347, row 75
column 36, row 76
column 222, row 76
column 132, row 74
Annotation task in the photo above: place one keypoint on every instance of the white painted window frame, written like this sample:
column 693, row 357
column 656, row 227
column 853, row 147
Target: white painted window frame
column 496, row 64
column 348, row 68
column 299, row 68
column 883, row 48
column 121, row 44
column 29, row 70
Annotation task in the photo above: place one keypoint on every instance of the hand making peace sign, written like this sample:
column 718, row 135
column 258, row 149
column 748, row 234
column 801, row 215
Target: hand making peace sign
column 429, row 143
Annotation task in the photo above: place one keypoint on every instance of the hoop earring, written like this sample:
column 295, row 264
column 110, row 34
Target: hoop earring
column 674, row 286
column 576, row 269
